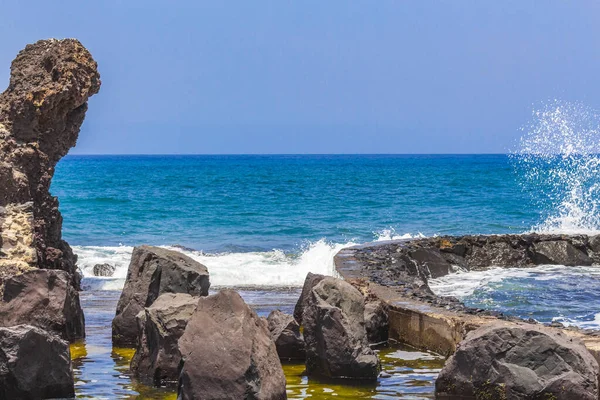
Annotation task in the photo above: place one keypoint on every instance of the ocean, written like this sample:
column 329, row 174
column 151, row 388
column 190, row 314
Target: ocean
column 261, row 223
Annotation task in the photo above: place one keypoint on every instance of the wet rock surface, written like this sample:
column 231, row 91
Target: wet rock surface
column 34, row 364
column 157, row 356
column 334, row 333
column 501, row 361
column 285, row 332
column 152, row 272
column 46, row 299
column 376, row 321
column 41, row 113
column 228, row 353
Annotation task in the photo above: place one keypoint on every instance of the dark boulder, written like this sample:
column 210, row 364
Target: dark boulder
column 228, row 353
column 104, row 270
column 152, row 272
column 431, row 262
column 157, row 357
column 46, row 299
column 311, row 281
column 41, row 113
column 495, row 252
column 376, row 321
column 34, row 364
column 510, row 361
column 285, row 332
column 559, row 252
column 334, row 333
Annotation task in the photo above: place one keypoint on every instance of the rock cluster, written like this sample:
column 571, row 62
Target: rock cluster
column 510, row 361
column 152, row 272
column 285, row 332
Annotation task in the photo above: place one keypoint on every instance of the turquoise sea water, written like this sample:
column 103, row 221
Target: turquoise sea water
column 260, row 223
column 258, row 203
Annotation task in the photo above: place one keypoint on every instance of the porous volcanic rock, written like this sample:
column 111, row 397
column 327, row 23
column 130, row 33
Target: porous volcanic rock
column 334, row 333
column 560, row 252
column 519, row 361
column 228, row 353
column 104, row 270
column 46, row 299
column 152, row 272
column 286, row 334
column 41, row 113
column 34, row 364
column 157, row 357
column 310, row 282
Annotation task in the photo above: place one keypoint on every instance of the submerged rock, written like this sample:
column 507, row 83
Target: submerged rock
column 519, row 361
column 334, row 333
column 46, row 299
column 559, row 253
column 228, row 353
column 104, row 270
column 285, row 332
column 157, row 357
column 310, row 282
column 41, row 113
column 152, row 272
column 34, row 364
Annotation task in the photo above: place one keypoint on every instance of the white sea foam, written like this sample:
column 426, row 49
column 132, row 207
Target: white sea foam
column 267, row 269
column 390, row 234
column 558, row 160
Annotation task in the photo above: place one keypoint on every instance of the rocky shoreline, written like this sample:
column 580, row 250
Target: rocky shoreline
column 397, row 273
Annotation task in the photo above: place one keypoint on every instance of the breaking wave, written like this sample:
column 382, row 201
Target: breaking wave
column 557, row 160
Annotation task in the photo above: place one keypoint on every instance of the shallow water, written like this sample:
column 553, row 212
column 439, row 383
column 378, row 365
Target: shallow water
column 102, row 372
column 546, row 293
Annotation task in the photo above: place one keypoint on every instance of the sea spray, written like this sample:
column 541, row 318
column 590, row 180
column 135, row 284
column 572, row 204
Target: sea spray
column 557, row 161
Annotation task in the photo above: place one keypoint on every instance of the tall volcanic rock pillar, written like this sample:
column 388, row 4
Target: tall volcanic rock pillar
column 41, row 113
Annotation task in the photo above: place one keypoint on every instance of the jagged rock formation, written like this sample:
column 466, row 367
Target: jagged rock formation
column 152, row 272
column 285, row 332
column 41, row 113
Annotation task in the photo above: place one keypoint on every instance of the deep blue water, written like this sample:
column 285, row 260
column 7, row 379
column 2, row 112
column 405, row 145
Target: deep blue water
column 243, row 203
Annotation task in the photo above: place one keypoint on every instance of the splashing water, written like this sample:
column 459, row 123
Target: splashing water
column 558, row 161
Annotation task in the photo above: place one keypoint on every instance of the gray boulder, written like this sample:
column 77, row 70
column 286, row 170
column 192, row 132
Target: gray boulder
column 228, row 353
column 559, row 252
column 34, row 364
column 519, row 361
column 152, row 272
column 310, row 282
column 104, row 270
column 285, row 332
column 46, row 299
column 334, row 333
column 431, row 262
column 157, row 357
column 376, row 321
column 495, row 252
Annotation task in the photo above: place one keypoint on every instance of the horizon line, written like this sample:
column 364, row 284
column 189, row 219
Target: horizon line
column 287, row 154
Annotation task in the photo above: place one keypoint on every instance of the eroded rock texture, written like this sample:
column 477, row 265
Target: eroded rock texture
column 41, row 113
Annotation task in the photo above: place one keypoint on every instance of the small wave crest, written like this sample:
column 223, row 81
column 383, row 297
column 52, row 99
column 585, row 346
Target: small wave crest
column 557, row 161
column 391, row 234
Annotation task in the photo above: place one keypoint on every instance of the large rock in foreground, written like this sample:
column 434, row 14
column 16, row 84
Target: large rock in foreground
column 152, row 272
column 46, row 299
column 228, row 353
column 510, row 361
column 334, row 333
column 34, row 364
column 286, row 334
column 156, row 360
column 41, row 113
column 310, row 282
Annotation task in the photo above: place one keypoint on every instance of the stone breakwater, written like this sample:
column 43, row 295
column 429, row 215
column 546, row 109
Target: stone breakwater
column 397, row 272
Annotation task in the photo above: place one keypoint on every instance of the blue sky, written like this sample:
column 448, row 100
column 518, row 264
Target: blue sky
column 397, row 76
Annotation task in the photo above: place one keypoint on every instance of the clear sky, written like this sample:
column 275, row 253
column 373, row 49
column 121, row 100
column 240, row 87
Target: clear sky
column 400, row 76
